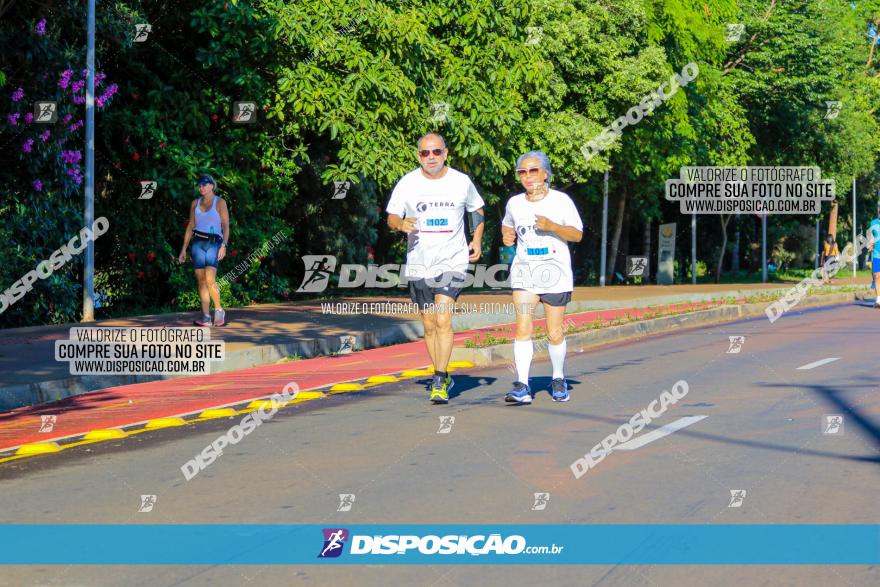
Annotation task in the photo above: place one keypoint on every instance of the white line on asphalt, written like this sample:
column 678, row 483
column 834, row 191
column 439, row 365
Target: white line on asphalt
column 818, row 363
column 659, row 433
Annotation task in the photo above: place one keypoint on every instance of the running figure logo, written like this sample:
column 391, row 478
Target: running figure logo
column 346, row 500
column 45, row 112
column 340, row 189
column 736, row 343
column 439, row 111
column 536, row 33
column 147, row 503
column 446, row 423
column 334, row 541
column 318, row 271
column 833, row 424
column 637, row 266
column 346, row 344
column 734, row 32
column 141, row 32
column 148, row 188
column 833, row 107
column 244, row 112
column 47, row 423
column 737, row 496
column 541, row 501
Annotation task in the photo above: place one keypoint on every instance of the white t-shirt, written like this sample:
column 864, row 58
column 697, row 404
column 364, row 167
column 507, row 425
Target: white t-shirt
column 439, row 244
column 542, row 263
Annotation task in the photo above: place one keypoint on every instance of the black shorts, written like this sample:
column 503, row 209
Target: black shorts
column 422, row 291
column 551, row 299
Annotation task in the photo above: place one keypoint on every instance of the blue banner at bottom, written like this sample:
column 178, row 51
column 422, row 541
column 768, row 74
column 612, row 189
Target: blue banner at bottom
column 616, row 544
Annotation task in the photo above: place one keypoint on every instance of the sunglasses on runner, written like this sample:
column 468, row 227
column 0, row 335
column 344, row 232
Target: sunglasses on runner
column 426, row 152
column 532, row 171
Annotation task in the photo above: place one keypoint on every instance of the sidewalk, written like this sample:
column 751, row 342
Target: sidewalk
column 265, row 334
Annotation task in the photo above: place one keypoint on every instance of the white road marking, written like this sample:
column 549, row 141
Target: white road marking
column 818, row 363
column 659, row 433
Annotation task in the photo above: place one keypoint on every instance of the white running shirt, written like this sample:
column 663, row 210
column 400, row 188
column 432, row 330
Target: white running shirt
column 439, row 245
column 542, row 263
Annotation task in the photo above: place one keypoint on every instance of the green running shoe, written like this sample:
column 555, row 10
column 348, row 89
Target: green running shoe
column 440, row 389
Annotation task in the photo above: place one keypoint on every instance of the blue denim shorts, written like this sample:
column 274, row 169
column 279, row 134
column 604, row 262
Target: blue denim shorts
column 204, row 253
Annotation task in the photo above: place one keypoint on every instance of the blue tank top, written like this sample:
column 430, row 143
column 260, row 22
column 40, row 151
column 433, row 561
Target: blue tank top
column 208, row 222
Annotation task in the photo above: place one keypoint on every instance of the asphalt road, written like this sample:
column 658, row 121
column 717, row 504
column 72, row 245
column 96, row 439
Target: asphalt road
column 762, row 432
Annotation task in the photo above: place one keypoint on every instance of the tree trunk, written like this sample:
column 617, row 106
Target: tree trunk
column 832, row 220
column 618, row 229
column 646, row 248
column 624, row 240
column 734, row 262
column 724, row 222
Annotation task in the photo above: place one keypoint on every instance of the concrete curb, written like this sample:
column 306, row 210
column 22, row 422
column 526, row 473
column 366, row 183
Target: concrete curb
column 503, row 353
column 20, row 395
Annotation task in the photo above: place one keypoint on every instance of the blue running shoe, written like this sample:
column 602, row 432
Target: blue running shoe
column 520, row 394
column 559, row 390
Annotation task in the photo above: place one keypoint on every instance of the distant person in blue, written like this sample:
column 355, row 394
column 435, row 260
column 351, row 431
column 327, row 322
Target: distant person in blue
column 875, row 261
column 208, row 229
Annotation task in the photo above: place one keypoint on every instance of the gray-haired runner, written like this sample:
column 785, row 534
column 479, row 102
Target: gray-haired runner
column 542, row 221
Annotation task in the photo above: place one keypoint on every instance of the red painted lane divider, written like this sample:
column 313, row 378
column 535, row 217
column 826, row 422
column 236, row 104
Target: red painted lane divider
column 127, row 405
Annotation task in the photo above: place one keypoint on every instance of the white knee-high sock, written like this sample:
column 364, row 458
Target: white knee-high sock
column 557, row 358
column 522, row 355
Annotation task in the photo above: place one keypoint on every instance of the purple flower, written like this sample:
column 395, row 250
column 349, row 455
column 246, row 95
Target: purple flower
column 76, row 174
column 78, row 85
column 13, row 118
column 38, row 185
column 65, row 79
column 28, row 146
column 67, row 118
column 79, row 99
column 99, row 77
column 45, row 136
column 71, row 157
column 100, row 101
column 40, row 29
column 17, row 95
column 29, row 117
column 76, row 126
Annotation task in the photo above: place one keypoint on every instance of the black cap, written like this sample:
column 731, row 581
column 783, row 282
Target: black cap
column 206, row 179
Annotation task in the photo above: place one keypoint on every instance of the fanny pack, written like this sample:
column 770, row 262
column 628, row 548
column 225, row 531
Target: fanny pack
column 198, row 234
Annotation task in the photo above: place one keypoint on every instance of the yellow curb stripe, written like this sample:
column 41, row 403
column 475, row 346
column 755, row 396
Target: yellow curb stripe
column 157, row 423
column 106, row 434
column 37, row 448
column 211, row 414
column 378, row 379
column 347, row 387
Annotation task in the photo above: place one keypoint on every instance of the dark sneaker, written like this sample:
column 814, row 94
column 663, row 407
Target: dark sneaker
column 559, row 390
column 219, row 318
column 205, row 321
column 520, row 394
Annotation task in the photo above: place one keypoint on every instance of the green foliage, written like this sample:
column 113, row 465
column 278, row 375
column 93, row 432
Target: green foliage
column 344, row 89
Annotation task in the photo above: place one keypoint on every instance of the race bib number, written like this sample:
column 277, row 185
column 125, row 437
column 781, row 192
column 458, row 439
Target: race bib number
column 437, row 222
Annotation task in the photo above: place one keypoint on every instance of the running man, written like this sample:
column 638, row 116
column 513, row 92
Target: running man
column 874, row 242
column 208, row 229
column 429, row 204
column 542, row 222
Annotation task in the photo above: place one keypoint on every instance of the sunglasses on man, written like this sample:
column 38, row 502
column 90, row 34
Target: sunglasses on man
column 426, row 152
column 531, row 172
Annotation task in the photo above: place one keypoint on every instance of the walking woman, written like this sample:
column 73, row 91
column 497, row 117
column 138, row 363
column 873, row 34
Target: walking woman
column 208, row 229
column 541, row 221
